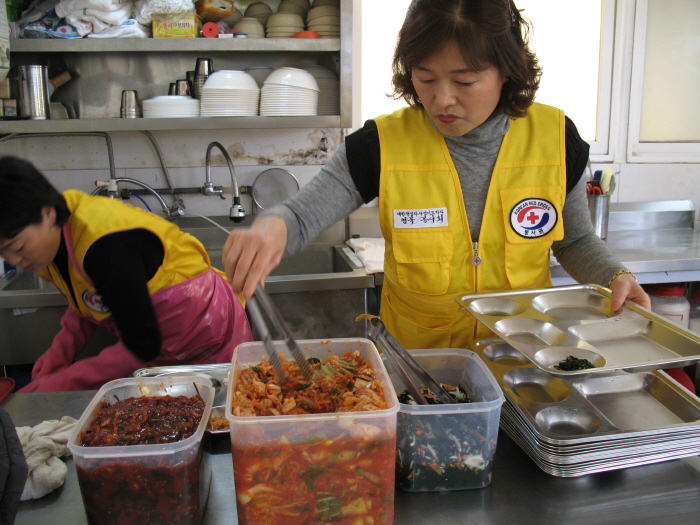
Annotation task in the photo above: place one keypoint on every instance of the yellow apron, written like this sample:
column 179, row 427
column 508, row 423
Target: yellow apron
column 94, row 217
column 430, row 258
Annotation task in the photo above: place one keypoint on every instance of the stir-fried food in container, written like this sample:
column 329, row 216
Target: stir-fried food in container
column 340, row 384
column 338, row 471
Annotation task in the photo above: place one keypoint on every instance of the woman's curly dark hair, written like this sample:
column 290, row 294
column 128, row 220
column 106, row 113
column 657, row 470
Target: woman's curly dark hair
column 488, row 32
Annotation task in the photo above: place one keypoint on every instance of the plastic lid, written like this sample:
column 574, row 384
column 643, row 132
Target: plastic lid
column 696, row 296
column 667, row 290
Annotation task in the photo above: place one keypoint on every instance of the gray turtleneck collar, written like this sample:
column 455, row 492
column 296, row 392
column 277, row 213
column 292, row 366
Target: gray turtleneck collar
column 474, row 155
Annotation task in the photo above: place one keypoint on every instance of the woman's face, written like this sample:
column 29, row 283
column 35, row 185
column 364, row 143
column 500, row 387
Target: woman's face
column 35, row 247
column 457, row 98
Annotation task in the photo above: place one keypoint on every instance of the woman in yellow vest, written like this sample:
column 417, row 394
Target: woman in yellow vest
column 475, row 182
column 120, row 267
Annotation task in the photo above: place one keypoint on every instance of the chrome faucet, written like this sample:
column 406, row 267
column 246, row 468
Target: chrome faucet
column 237, row 212
column 174, row 211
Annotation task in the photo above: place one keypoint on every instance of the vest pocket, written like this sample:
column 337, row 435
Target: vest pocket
column 423, row 258
column 414, row 329
column 527, row 265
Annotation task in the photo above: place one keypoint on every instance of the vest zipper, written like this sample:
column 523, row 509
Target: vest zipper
column 476, row 260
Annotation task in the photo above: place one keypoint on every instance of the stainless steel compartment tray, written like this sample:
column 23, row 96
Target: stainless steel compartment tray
column 548, row 325
column 585, row 424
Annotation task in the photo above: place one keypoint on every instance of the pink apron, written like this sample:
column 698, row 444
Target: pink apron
column 201, row 321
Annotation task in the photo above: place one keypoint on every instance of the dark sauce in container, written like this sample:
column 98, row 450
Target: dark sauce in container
column 121, row 491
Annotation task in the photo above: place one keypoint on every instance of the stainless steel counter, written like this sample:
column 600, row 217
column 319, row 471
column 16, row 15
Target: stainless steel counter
column 655, row 256
column 666, row 493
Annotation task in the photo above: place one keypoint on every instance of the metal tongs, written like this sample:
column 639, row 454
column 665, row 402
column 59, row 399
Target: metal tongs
column 261, row 303
column 392, row 348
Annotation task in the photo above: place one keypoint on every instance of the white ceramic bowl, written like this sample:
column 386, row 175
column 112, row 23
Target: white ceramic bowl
column 290, row 76
column 257, row 8
column 306, row 4
column 284, row 29
column 322, row 10
column 324, row 27
column 292, row 8
column 248, row 25
column 324, row 20
column 285, row 19
column 230, row 79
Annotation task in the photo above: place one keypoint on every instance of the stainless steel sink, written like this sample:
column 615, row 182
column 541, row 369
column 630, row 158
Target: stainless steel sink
column 319, row 292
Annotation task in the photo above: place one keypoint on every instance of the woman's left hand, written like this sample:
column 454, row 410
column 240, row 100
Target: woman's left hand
column 625, row 286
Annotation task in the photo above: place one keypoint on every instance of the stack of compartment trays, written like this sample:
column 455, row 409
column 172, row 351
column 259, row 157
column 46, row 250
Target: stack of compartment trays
column 622, row 412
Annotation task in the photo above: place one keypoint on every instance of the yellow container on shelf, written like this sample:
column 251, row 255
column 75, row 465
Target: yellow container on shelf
column 177, row 25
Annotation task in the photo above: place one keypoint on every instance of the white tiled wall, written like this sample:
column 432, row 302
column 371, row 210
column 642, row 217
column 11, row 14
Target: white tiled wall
column 76, row 162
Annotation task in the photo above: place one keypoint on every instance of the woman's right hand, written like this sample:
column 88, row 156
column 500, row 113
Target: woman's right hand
column 250, row 254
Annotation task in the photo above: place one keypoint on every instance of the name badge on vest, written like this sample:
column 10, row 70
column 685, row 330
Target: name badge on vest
column 94, row 302
column 533, row 218
column 425, row 218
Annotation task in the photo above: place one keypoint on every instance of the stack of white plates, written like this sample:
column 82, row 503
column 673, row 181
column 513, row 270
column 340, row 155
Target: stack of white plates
column 325, row 20
column 229, row 93
column 329, row 84
column 289, row 91
column 170, row 106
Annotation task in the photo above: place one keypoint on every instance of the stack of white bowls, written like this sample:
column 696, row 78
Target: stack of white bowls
column 325, row 20
column 329, row 84
column 229, row 93
column 170, row 106
column 300, row 7
column 284, row 25
column 289, row 91
column 249, row 26
column 259, row 10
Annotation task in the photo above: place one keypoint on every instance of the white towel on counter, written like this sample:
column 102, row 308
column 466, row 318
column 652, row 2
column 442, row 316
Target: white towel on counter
column 43, row 447
column 370, row 251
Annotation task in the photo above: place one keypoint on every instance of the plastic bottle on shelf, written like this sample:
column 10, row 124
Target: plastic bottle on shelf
column 669, row 300
column 694, row 316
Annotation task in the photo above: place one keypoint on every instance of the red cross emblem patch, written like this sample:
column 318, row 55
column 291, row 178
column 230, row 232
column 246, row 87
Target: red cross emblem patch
column 533, row 218
column 94, row 302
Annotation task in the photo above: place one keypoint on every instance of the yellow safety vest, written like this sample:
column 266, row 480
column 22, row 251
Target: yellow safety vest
column 94, row 217
column 430, row 258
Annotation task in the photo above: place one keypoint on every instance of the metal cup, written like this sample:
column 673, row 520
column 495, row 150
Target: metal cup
column 173, row 89
column 32, row 83
column 130, row 104
column 190, row 80
column 182, row 87
column 204, row 66
column 599, row 208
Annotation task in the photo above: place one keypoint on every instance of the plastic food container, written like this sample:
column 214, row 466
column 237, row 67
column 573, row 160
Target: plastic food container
column 163, row 483
column 448, row 447
column 669, row 300
column 316, row 468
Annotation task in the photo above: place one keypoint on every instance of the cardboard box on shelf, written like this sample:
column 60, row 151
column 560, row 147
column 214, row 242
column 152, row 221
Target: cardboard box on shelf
column 178, row 25
column 5, row 88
